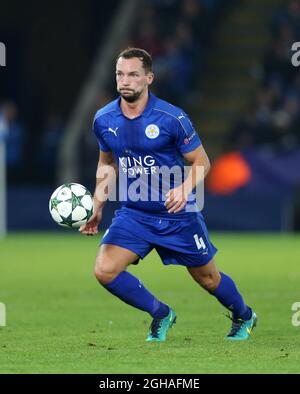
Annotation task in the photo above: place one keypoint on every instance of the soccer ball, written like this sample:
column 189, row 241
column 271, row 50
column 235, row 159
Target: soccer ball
column 71, row 205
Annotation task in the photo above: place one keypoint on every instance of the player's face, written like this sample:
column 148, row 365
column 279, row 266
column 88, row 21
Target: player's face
column 132, row 80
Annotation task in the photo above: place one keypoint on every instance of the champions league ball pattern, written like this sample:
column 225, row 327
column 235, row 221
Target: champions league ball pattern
column 71, row 205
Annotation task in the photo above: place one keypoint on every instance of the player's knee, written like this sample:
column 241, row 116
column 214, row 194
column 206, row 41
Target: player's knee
column 103, row 276
column 208, row 282
column 105, row 271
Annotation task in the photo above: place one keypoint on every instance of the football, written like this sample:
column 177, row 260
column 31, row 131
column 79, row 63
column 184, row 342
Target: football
column 71, row 205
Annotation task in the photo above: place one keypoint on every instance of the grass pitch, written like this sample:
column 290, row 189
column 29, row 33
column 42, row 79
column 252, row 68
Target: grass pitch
column 59, row 320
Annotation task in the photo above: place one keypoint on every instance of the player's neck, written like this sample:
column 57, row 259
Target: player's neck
column 133, row 110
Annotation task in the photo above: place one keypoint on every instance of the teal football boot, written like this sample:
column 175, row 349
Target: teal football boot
column 160, row 327
column 241, row 329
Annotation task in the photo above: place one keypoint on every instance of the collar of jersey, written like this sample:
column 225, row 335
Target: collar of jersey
column 146, row 111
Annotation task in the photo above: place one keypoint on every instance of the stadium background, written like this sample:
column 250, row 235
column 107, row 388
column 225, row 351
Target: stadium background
column 228, row 64
column 241, row 92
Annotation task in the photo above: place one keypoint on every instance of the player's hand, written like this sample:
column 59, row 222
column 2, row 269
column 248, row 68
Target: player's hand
column 91, row 227
column 176, row 199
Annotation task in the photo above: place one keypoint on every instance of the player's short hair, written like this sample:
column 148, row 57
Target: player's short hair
column 141, row 54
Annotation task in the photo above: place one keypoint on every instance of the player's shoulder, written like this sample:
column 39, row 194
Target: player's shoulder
column 177, row 115
column 169, row 109
column 108, row 109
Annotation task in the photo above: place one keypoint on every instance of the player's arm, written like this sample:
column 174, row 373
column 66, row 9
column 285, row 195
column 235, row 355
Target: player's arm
column 105, row 182
column 200, row 165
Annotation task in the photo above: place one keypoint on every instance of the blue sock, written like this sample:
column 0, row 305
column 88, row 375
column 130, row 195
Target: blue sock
column 229, row 296
column 130, row 290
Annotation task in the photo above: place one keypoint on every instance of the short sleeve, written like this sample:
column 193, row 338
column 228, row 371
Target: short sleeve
column 187, row 138
column 97, row 130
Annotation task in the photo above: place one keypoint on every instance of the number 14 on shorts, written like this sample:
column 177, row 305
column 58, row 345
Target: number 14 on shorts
column 199, row 242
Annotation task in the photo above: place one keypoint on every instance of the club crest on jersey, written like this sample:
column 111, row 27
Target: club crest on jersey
column 152, row 131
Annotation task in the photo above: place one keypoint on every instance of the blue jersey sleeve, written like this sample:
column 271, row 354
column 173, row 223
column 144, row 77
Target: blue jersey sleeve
column 97, row 130
column 187, row 138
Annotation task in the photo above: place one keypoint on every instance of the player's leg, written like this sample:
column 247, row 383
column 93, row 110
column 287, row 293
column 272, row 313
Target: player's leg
column 224, row 289
column 111, row 260
column 124, row 243
column 207, row 276
column 110, row 271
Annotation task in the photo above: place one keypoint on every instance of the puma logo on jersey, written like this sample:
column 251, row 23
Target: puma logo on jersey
column 114, row 131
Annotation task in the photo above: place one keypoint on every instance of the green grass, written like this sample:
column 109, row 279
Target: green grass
column 59, row 320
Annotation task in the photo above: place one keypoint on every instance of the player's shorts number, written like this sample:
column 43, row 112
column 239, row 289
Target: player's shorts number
column 199, row 242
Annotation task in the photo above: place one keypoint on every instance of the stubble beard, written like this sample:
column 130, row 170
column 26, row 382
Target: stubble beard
column 131, row 98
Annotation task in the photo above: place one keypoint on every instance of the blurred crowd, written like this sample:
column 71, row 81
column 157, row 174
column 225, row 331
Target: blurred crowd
column 273, row 118
column 177, row 34
column 27, row 159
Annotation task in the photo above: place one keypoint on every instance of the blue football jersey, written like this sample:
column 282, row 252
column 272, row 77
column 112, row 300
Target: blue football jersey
column 144, row 148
